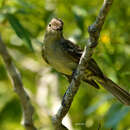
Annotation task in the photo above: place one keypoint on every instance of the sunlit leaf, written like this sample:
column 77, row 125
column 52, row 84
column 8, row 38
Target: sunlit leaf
column 1, row 3
column 95, row 106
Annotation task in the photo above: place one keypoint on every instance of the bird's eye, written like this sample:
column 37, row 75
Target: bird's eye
column 49, row 25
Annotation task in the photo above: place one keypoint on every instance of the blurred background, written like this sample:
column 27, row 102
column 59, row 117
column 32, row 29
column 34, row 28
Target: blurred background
column 22, row 27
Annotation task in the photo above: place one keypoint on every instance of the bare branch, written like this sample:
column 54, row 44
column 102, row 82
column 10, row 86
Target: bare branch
column 18, row 87
column 94, row 32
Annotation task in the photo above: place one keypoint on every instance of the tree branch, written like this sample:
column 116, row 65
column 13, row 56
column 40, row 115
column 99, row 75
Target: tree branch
column 18, row 87
column 94, row 32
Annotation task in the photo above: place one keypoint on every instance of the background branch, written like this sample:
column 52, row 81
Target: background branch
column 94, row 32
column 18, row 87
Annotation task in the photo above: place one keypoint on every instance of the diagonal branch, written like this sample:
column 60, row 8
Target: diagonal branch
column 18, row 87
column 94, row 32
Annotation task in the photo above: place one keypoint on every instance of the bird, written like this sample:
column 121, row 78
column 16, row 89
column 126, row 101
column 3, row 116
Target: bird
column 64, row 56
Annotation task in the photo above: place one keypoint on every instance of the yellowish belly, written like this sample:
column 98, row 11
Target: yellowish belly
column 59, row 61
column 61, row 64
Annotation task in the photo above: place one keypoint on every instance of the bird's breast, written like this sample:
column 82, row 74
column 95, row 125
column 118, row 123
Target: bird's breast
column 58, row 59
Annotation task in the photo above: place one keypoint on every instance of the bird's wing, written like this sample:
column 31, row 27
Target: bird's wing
column 93, row 66
column 75, row 52
column 72, row 50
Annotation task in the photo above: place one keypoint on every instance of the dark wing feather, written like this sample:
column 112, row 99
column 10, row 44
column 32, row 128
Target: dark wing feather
column 72, row 50
column 75, row 53
column 91, row 82
column 93, row 66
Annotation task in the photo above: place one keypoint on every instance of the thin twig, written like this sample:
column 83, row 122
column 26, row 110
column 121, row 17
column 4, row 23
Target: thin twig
column 94, row 32
column 18, row 87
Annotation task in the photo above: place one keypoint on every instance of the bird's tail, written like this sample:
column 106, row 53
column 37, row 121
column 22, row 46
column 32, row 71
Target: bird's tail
column 122, row 95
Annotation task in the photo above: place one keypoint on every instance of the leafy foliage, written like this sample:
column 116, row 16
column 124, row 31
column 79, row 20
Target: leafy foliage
column 22, row 26
column 18, row 28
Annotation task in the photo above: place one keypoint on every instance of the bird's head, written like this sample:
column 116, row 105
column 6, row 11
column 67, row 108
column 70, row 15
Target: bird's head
column 55, row 27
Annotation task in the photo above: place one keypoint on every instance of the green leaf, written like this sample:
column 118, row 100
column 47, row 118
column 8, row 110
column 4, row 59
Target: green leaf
column 25, row 4
column 2, row 17
column 19, row 30
column 115, row 115
column 79, row 14
column 125, row 73
column 95, row 106
column 7, row 115
column 1, row 3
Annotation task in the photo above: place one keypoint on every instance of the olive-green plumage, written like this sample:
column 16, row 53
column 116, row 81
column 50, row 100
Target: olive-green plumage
column 64, row 56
